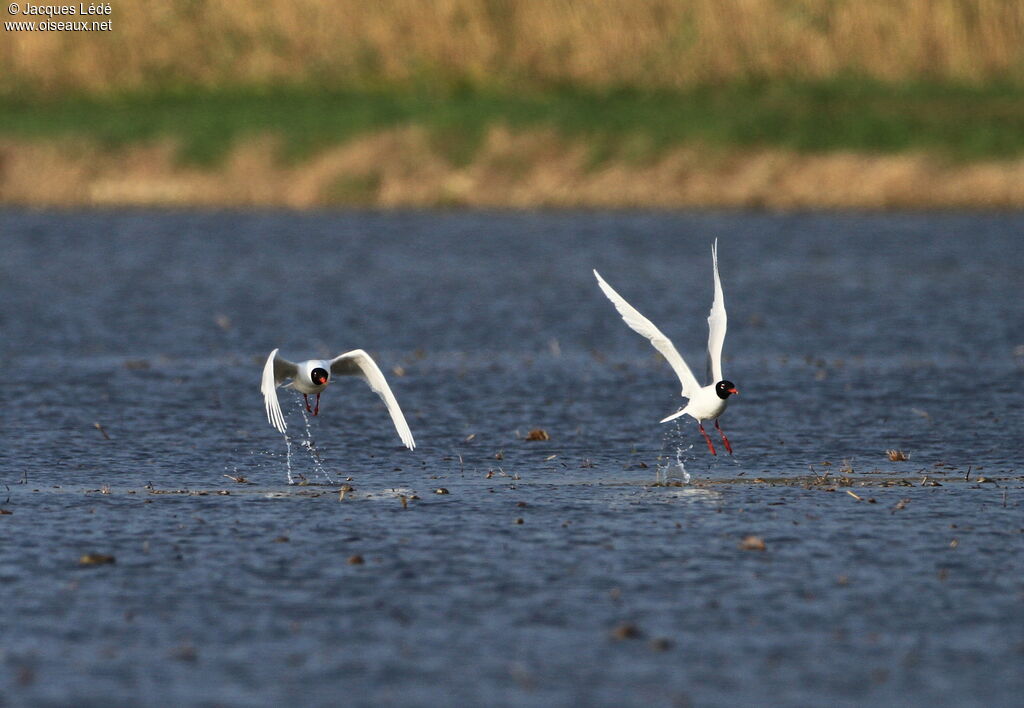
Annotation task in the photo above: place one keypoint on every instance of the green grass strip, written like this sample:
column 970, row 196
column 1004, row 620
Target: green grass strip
column 958, row 123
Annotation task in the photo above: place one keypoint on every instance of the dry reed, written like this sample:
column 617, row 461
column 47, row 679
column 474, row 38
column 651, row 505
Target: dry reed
column 597, row 44
column 399, row 168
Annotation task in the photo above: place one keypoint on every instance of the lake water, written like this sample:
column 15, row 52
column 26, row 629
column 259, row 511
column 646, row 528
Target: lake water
column 552, row 572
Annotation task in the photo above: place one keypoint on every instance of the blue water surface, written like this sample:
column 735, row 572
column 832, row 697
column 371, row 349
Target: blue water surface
column 551, row 572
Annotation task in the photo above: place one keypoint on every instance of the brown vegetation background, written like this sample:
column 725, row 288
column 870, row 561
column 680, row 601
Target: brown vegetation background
column 655, row 44
column 505, row 46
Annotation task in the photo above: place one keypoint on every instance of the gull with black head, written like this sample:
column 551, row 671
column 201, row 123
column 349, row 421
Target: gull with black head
column 705, row 402
column 313, row 376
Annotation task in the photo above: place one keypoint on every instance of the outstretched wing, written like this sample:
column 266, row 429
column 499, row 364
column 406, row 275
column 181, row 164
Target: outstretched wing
column 716, row 324
column 275, row 371
column 359, row 363
column 641, row 325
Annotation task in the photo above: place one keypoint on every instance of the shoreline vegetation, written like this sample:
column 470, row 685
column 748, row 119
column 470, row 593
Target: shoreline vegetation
column 783, row 104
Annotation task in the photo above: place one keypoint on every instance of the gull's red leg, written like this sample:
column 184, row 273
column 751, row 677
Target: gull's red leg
column 306, row 399
column 706, row 438
column 316, row 411
column 724, row 439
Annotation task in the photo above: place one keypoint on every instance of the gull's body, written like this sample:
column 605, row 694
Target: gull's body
column 705, row 402
column 313, row 376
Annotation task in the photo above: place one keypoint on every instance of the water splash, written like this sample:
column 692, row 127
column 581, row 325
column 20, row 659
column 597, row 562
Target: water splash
column 303, row 440
column 674, row 471
column 667, row 469
column 288, row 457
column 310, row 446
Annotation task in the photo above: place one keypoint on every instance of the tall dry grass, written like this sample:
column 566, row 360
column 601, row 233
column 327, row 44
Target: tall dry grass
column 511, row 44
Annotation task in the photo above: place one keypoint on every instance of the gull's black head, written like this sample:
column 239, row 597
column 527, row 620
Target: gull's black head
column 319, row 376
column 724, row 389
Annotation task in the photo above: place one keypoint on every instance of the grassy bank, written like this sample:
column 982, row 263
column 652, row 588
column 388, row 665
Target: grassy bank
column 870, row 103
column 409, row 165
column 953, row 123
column 787, row 145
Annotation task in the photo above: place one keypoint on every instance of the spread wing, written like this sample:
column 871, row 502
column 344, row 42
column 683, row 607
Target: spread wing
column 716, row 324
column 641, row 325
column 275, row 371
column 359, row 363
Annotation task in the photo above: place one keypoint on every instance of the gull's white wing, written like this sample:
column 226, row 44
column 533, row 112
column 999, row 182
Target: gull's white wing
column 358, row 363
column 275, row 371
column 641, row 325
column 716, row 324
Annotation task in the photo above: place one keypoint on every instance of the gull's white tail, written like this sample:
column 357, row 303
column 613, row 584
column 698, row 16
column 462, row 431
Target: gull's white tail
column 673, row 416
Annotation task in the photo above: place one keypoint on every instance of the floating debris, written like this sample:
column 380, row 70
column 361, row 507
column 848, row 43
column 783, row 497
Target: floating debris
column 398, row 371
column 441, row 490
column 660, row 644
column 405, row 501
column 96, row 559
column 858, row 498
column 901, row 504
column 537, row 434
column 186, row 652
column 5, row 512
column 103, row 432
column 238, row 479
column 519, row 521
column 26, row 676
column 753, row 543
column 282, row 539
column 626, row 630
column 355, row 560
column 897, row 455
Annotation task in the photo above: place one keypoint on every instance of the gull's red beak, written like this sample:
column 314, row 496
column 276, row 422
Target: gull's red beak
column 733, row 390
